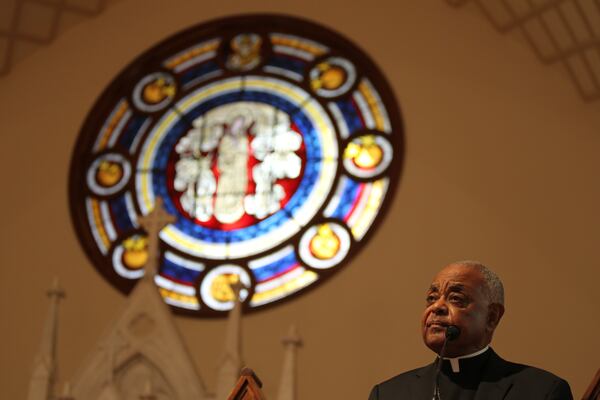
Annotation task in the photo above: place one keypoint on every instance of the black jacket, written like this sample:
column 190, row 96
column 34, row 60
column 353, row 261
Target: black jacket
column 500, row 380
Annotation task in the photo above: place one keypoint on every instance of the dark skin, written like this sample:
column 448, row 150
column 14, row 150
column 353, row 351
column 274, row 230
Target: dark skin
column 459, row 296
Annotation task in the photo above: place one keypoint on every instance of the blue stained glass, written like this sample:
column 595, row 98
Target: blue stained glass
column 292, row 64
column 350, row 113
column 178, row 272
column 204, row 107
column 160, row 189
column 260, row 97
column 276, row 267
column 197, row 71
column 347, row 198
column 169, row 141
column 310, row 177
column 118, row 208
column 309, row 135
column 131, row 130
column 260, row 228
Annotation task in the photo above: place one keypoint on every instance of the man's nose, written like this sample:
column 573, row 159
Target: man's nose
column 440, row 307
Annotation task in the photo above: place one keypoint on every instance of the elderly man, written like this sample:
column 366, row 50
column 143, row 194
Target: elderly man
column 469, row 298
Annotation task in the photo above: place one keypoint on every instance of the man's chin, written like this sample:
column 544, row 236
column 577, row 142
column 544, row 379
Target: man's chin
column 434, row 341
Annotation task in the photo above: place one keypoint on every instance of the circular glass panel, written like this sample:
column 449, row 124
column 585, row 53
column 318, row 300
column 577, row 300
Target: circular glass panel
column 275, row 142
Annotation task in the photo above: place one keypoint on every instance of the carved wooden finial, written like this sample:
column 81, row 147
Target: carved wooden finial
column 248, row 387
column 153, row 223
column 248, row 372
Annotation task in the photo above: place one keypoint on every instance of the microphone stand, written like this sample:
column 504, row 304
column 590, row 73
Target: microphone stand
column 438, row 367
column 452, row 332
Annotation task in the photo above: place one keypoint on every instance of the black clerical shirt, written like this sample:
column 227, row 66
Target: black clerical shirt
column 484, row 376
column 462, row 384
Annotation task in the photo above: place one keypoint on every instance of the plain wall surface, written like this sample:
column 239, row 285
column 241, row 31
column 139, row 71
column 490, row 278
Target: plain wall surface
column 501, row 165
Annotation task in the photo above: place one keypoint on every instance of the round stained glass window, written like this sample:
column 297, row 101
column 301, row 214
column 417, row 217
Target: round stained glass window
column 275, row 143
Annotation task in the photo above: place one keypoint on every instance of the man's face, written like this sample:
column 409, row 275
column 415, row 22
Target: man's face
column 458, row 296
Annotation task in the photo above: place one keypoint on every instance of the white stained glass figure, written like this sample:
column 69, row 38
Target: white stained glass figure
column 193, row 174
column 232, row 164
column 224, row 132
column 274, row 147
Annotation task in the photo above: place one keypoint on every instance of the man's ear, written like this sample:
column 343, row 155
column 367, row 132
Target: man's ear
column 495, row 313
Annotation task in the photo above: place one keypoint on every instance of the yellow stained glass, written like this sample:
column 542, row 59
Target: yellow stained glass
column 365, row 152
column 109, row 173
column 220, row 288
column 291, row 286
column 135, row 252
column 180, row 298
column 116, row 117
column 325, row 244
column 158, row 90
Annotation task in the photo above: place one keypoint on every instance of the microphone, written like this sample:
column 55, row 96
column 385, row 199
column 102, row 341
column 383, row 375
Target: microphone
column 452, row 332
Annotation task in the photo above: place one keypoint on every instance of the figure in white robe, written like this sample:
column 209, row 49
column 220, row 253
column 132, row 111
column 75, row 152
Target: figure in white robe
column 232, row 164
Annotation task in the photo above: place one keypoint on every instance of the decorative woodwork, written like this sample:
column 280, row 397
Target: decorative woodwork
column 248, row 387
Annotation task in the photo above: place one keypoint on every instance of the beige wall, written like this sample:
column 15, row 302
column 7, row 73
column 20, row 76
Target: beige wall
column 501, row 165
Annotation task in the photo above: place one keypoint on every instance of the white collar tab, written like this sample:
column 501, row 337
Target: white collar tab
column 455, row 364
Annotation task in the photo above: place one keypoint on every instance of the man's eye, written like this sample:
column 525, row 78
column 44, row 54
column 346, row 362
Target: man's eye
column 457, row 299
column 431, row 299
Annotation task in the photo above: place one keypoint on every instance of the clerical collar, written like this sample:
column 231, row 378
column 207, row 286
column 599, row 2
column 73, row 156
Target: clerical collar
column 455, row 364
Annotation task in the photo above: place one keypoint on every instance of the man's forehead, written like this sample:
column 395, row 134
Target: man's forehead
column 457, row 275
column 447, row 285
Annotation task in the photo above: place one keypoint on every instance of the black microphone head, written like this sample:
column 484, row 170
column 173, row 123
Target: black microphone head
column 452, row 332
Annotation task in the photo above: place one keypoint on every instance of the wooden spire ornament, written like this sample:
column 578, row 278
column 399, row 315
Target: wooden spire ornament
column 248, row 387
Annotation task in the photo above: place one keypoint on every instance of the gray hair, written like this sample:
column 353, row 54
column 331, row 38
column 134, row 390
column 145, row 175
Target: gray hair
column 492, row 281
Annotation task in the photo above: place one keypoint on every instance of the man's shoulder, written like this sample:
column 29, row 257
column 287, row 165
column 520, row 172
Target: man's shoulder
column 404, row 378
column 527, row 373
column 527, row 380
column 524, row 371
column 407, row 375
